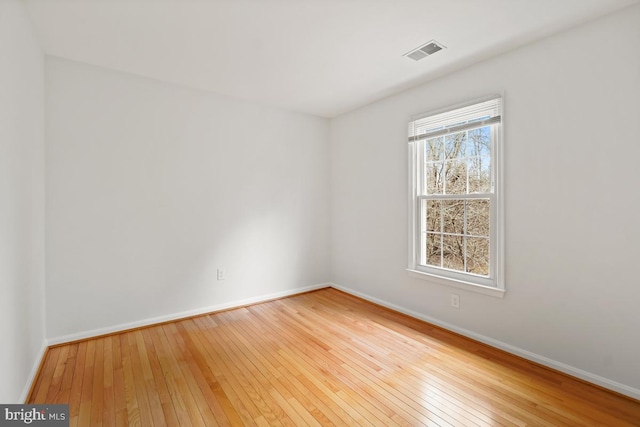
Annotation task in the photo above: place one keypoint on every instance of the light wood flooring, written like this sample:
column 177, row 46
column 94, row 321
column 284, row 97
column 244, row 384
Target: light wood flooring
column 320, row 358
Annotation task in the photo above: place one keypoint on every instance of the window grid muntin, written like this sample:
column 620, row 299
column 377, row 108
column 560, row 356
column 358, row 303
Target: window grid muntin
column 422, row 187
column 446, row 161
column 422, row 251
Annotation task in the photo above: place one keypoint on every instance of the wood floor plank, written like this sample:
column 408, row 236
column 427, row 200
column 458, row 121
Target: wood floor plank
column 119, row 392
column 175, row 370
column 46, row 377
column 202, row 331
column 139, row 380
column 352, row 363
column 263, row 348
column 84, row 414
column 314, row 369
column 148, row 400
column 310, row 396
column 192, row 375
column 108, row 395
column 170, row 371
column 56, row 381
column 67, row 377
column 97, row 391
column 129, row 385
column 258, row 379
column 230, row 376
column 319, row 359
column 158, row 382
column 75, row 392
column 412, row 364
column 395, row 365
column 209, row 387
column 369, row 390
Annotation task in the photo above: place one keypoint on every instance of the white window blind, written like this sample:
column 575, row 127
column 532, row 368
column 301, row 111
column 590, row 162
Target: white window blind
column 476, row 115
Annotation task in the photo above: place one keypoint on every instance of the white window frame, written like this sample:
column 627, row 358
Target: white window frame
column 492, row 285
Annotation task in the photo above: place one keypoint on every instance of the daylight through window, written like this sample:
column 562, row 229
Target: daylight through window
column 454, row 166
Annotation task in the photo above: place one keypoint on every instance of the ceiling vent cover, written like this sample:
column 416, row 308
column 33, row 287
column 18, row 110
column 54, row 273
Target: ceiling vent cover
column 425, row 50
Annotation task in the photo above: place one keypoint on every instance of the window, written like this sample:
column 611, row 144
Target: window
column 455, row 201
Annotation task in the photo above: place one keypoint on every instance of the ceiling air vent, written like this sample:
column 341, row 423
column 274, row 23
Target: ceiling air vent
column 425, row 50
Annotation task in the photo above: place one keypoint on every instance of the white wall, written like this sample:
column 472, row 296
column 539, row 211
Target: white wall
column 152, row 187
column 572, row 113
column 21, row 201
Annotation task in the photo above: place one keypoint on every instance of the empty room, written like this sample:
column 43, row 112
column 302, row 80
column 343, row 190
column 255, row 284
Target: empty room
column 319, row 212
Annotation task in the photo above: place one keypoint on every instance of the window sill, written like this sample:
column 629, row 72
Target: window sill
column 486, row 290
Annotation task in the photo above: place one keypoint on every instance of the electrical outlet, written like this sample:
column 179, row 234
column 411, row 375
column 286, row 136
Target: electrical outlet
column 455, row 301
column 222, row 274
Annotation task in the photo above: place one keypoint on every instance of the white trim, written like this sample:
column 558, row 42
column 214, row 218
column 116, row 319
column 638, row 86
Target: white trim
column 34, row 371
column 460, row 284
column 181, row 315
column 494, row 283
column 413, row 205
column 542, row 360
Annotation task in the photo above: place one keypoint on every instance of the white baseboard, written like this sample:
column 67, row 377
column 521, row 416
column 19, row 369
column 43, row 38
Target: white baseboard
column 34, row 371
column 181, row 315
column 542, row 360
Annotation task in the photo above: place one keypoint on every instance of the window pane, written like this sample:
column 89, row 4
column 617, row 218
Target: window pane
column 433, row 249
column 453, row 253
column 433, row 149
column 479, row 152
column 478, row 256
column 479, row 175
column 433, row 222
column 456, row 177
column 456, row 165
column 453, row 216
column 433, row 176
column 455, row 145
column 479, row 142
column 478, row 217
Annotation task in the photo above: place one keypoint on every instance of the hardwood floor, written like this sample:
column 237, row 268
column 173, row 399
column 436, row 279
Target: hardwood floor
column 321, row 358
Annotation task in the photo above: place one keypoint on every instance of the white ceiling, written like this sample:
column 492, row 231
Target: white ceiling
column 322, row 57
